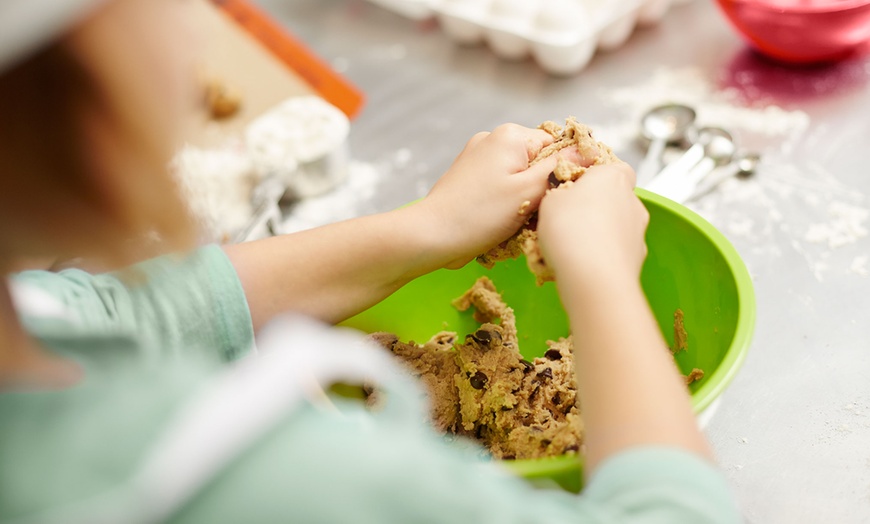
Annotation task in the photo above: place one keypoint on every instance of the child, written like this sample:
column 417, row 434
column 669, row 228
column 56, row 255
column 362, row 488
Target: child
column 124, row 396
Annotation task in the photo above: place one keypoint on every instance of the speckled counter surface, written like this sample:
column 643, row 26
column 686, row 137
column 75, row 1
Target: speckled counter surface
column 793, row 431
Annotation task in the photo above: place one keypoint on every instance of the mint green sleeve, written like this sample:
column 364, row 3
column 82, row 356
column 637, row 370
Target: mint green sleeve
column 352, row 467
column 192, row 305
column 659, row 484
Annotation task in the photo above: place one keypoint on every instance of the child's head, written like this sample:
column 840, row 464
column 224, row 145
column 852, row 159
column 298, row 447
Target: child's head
column 93, row 94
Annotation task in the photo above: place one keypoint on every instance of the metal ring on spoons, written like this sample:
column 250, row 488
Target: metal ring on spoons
column 662, row 125
column 679, row 179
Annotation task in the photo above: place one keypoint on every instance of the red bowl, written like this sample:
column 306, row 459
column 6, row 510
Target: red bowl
column 802, row 31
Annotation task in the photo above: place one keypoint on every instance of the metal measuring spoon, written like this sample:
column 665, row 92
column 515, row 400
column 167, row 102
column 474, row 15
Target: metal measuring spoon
column 678, row 180
column 743, row 166
column 662, row 125
column 267, row 215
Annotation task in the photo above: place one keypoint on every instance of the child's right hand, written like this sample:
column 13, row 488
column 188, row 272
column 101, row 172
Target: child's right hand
column 591, row 234
column 595, row 227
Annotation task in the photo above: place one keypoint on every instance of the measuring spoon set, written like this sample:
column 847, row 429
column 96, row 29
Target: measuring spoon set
column 711, row 158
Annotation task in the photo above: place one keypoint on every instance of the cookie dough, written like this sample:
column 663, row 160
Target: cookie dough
column 574, row 134
column 482, row 387
column 516, row 408
column 434, row 363
column 221, row 100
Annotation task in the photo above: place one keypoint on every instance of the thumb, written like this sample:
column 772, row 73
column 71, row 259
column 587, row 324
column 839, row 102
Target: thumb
column 533, row 182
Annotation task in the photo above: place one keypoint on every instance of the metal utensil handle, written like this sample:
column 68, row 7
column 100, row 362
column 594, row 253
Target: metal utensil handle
column 711, row 182
column 651, row 162
column 675, row 172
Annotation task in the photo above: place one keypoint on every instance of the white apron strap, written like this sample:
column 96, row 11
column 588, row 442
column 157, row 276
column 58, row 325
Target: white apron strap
column 297, row 359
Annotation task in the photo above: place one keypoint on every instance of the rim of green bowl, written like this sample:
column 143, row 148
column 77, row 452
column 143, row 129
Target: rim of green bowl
column 716, row 383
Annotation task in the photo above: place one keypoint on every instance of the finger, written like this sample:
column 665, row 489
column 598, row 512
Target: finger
column 536, row 141
column 618, row 169
column 583, row 158
column 533, row 182
column 627, row 171
column 533, row 139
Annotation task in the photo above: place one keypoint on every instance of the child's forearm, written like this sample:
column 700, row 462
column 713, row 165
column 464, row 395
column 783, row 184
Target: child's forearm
column 630, row 389
column 336, row 271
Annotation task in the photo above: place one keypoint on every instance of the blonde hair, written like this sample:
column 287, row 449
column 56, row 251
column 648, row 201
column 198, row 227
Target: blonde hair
column 59, row 196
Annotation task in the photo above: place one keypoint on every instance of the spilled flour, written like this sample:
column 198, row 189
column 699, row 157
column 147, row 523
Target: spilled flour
column 788, row 204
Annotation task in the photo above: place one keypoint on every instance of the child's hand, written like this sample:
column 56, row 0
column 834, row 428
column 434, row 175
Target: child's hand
column 477, row 203
column 595, row 227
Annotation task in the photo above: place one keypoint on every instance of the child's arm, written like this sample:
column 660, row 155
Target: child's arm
column 333, row 272
column 592, row 235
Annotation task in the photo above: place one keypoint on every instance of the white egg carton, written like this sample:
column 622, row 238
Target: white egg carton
column 561, row 35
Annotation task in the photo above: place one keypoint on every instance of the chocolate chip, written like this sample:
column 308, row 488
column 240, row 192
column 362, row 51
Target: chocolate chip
column 554, row 182
column 527, row 366
column 532, row 222
column 546, row 442
column 478, row 380
column 534, row 393
column 484, row 337
column 508, row 457
column 553, row 354
column 547, row 373
column 557, row 399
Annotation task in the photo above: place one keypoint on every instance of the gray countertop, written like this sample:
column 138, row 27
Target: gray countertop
column 792, row 432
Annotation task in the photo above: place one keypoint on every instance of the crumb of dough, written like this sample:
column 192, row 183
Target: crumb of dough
column 524, row 207
column 693, row 376
column 535, row 260
column 509, row 249
column 489, row 306
column 681, row 338
column 525, row 241
column 221, row 100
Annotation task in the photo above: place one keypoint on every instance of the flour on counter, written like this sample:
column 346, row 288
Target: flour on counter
column 859, row 265
column 217, row 184
column 847, row 225
column 301, row 141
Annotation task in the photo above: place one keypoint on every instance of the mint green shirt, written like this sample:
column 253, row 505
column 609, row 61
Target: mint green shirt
column 151, row 342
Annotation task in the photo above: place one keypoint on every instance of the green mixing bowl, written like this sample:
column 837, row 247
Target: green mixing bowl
column 690, row 266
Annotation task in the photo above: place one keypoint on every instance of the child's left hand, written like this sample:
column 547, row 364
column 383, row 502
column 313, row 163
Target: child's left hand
column 336, row 271
column 477, row 203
